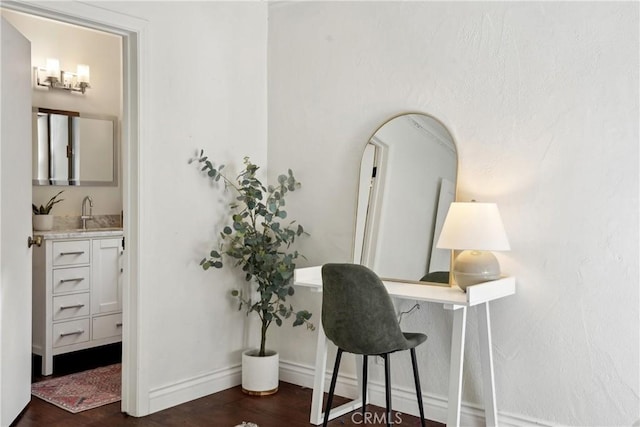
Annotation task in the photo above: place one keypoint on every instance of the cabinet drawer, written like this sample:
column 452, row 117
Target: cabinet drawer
column 107, row 326
column 71, row 252
column 69, row 306
column 67, row 333
column 71, row 279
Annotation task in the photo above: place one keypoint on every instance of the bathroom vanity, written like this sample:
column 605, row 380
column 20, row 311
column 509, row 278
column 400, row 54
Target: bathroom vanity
column 77, row 292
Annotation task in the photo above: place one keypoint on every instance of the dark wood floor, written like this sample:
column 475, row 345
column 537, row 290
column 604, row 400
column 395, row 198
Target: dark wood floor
column 289, row 407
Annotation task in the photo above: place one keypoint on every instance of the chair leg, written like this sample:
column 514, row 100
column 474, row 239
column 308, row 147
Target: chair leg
column 332, row 388
column 416, row 378
column 364, row 385
column 387, row 385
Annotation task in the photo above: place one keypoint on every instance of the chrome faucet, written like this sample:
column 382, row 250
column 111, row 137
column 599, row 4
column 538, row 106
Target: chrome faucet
column 84, row 217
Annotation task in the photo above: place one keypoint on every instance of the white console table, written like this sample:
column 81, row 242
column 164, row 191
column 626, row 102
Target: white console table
column 453, row 299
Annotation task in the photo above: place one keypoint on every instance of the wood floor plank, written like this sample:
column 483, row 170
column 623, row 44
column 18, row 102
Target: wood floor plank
column 288, row 408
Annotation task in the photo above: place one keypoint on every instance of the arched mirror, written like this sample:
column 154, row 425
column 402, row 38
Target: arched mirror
column 407, row 181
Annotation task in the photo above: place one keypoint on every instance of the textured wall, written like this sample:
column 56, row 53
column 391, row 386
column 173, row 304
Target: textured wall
column 542, row 99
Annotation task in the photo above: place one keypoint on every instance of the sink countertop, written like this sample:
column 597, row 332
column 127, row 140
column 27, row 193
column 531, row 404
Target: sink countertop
column 79, row 233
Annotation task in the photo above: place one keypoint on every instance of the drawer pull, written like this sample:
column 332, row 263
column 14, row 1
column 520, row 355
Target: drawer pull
column 65, row 307
column 77, row 279
column 119, row 325
column 72, row 253
column 66, row 334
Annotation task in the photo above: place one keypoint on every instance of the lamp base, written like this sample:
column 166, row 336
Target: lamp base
column 472, row 267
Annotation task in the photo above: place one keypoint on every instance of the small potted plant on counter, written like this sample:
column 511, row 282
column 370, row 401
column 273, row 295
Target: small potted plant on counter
column 42, row 218
column 257, row 241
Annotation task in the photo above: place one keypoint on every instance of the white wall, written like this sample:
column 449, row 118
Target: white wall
column 542, row 99
column 74, row 45
column 207, row 89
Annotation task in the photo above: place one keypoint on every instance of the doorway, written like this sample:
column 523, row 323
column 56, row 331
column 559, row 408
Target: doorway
column 133, row 34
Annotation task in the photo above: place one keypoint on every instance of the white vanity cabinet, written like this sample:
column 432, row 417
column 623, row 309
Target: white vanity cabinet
column 77, row 293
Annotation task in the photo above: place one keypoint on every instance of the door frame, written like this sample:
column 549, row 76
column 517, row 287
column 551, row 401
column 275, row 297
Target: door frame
column 134, row 33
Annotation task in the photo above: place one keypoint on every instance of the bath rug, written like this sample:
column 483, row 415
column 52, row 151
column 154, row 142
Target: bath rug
column 82, row 391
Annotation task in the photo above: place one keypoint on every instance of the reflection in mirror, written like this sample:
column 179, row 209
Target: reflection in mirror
column 407, row 181
column 71, row 148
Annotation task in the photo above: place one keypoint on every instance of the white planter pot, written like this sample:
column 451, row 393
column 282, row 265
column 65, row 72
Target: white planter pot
column 260, row 374
column 42, row 222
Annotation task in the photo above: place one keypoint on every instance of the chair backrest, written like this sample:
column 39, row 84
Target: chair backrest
column 357, row 312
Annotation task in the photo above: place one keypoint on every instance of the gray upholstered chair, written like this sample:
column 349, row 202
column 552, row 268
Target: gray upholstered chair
column 358, row 317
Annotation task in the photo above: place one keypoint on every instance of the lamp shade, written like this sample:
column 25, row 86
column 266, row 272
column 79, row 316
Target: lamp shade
column 473, row 225
column 83, row 73
column 53, row 67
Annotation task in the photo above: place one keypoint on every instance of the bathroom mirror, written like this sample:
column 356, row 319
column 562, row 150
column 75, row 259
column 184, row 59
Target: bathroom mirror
column 407, row 181
column 72, row 148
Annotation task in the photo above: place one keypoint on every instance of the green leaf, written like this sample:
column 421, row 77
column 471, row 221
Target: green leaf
column 256, row 241
column 303, row 314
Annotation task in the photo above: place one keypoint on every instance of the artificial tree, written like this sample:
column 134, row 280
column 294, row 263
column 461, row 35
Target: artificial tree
column 258, row 241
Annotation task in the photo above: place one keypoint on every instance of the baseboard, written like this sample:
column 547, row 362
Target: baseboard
column 404, row 399
column 194, row 388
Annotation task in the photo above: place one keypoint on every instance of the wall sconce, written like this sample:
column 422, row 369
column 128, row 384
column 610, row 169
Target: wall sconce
column 53, row 78
column 477, row 229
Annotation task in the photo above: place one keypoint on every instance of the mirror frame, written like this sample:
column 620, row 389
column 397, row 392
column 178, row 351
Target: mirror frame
column 366, row 235
column 80, row 182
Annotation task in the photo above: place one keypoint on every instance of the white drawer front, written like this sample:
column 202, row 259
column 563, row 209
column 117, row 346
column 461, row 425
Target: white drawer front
column 71, row 279
column 68, row 333
column 107, row 326
column 69, row 306
column 71, row 253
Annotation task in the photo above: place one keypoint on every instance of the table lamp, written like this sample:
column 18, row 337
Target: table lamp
column 476, row 228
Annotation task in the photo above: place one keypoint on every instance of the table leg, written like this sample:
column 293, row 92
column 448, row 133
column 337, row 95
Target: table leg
column 457, row 361
column 318, row 378
column 317, row 397
column 486, row 360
